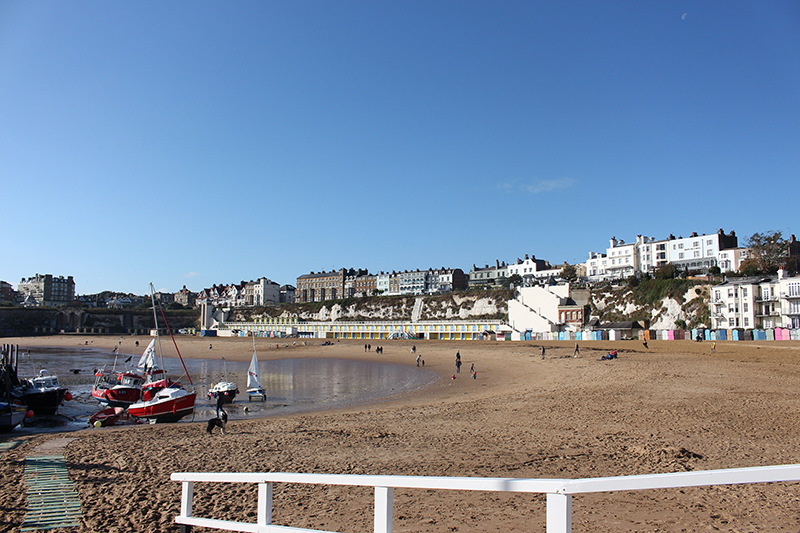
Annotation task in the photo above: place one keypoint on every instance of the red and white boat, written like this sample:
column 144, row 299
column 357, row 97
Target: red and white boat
column 162, row 400
column 117, row 389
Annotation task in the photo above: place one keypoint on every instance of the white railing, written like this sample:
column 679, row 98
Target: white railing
column 559, row 491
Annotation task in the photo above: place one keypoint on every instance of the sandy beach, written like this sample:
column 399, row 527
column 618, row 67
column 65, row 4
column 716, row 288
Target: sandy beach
column 671, row 407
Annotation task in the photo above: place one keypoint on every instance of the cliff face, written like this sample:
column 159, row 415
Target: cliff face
column 453, row 306
column 664, row 304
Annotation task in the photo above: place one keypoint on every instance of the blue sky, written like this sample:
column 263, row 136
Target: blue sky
column 193, row 143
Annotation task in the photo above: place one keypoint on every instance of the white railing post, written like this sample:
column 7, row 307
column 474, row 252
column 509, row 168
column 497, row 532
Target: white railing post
column 264, row 516
column 187, row 493
column 383, row 509
column 559, row 513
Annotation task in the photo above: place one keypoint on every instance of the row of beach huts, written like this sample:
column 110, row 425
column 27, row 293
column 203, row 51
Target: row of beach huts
column 776, row 334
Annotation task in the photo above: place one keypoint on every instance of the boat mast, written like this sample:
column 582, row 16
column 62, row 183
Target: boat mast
column 155, row 318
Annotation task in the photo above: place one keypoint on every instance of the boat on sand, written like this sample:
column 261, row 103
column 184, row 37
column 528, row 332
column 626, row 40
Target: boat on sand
column 162, row 400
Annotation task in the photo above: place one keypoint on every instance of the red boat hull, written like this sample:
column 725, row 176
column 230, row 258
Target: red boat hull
column 168, row 410
column 121, row 397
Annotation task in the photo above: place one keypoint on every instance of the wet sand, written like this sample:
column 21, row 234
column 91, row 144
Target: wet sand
column 672, row 407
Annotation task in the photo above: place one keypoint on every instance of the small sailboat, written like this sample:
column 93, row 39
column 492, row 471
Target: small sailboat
column 163, row 400
column 255, row 391
column 227, row 389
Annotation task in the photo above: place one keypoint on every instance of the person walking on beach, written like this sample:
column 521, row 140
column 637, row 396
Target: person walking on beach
column 365, row 348
column 458, row 365
column 542, row 353
column 418, row 359
column 577, row 351
column 220, row 404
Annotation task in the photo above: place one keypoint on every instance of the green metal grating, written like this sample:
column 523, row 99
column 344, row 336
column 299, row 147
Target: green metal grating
column 9, row 444
column 52, row 499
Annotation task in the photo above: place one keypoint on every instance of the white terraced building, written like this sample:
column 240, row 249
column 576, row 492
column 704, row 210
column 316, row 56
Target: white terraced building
column 694, row 253
column 763, row 302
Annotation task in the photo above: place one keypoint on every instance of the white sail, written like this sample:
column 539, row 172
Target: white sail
column 148, row 358
column 253, row 378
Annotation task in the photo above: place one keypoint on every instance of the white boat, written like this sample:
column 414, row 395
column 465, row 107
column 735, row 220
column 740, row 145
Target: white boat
column 163, row 400
column 255, row 391
column 227, row 389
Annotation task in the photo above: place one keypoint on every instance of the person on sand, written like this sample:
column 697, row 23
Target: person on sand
column 577, row 351
column 543, row 353
column 220, row 405
column 418, row 359
column 644, row 342
column 713, row 347
column 458, row 366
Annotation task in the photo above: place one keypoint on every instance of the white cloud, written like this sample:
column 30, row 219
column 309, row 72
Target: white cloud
column 549, row 185
column 192, row 275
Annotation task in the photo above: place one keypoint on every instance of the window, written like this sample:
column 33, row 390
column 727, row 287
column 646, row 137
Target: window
column 765, row 293
column 730, row 293
column 696, row 244
column 745, row 307
column 680, row 255
column 709, row 242
column 717, row 295
column 697, row 253
column 794, row 289
column 746, row 322
column 744, row 292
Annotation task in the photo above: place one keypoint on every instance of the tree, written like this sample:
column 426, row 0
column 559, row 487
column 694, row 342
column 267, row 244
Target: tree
column 768, row 252
column 750, row 267
column 515, row 280
column 569, row 273
column 668, row 271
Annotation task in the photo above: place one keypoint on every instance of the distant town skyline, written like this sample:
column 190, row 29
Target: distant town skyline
column 193, row 144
